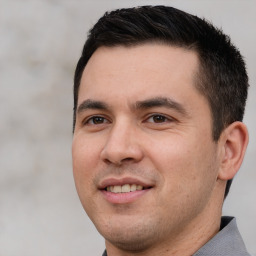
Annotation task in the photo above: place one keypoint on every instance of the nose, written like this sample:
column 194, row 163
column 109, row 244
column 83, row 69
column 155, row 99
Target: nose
column 122, row 145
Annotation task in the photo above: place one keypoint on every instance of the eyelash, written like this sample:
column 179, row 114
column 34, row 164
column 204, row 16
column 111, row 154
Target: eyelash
column 163, row 119
column 93, row 118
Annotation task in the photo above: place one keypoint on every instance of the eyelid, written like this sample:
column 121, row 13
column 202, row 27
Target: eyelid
column 168, row 118
column 89, row 118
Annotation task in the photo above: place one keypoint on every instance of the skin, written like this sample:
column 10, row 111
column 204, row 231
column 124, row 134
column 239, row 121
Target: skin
column 132, row 133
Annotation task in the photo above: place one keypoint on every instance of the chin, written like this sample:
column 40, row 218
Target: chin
column 134, row 242
column 130, row 236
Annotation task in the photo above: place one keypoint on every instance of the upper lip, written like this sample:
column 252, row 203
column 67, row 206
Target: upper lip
column 114, row 181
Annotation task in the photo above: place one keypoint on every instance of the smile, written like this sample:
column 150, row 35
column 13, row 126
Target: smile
column 124, row 188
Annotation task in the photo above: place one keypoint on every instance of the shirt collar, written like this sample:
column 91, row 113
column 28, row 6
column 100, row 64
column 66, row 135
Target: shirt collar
column 227, row 242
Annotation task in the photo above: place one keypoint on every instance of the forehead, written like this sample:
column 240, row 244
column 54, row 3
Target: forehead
column 148, row 69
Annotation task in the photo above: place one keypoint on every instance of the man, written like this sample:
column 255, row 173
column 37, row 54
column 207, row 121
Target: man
column 159, row 97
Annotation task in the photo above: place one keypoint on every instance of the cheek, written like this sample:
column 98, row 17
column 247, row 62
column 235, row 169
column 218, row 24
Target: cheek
column 187, row 174
column 85, row 160
column 170, row 156
column 85, row 153
column 85, row 165
column 184, row 165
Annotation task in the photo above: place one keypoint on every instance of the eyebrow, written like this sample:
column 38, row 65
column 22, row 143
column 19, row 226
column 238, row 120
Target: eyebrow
column 161, row 102
column 91, row 104
column 139, row 105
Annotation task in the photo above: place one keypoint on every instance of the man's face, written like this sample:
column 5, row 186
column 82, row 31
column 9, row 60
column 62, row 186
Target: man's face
column 143, row 128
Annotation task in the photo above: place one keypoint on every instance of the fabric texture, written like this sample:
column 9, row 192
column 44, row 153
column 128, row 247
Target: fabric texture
column 227, row 242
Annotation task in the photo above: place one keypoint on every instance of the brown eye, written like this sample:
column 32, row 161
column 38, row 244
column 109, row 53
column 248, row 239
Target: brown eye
column 157, row 119
column 96, row 120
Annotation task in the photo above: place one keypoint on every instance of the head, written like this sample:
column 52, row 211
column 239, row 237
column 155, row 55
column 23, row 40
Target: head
column 222, row 76
column 116, row 137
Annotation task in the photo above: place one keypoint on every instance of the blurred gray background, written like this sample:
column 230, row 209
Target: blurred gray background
column 40, row 43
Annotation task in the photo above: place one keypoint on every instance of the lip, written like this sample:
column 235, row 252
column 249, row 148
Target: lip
column 124, row 198
column 122, row 181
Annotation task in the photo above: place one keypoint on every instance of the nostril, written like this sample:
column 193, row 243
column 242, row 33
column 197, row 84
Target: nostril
column 107, row 161
column 118, row 163
column 128, row 159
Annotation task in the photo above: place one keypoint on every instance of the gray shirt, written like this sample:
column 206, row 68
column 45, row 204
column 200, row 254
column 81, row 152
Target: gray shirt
column 228, row 242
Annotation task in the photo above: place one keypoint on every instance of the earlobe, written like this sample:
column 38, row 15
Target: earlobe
column 234, row 140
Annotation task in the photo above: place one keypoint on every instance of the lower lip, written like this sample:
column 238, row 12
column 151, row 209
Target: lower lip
column 123, row 198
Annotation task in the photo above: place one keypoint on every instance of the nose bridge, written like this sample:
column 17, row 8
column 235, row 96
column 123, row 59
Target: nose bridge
column 122, row 143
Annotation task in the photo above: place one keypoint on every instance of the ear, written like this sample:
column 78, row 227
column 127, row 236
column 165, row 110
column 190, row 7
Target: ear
column 234, row 140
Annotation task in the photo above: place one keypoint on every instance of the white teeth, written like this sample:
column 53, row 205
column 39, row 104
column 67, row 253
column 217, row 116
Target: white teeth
column 124, row 189
column 139, row 187
column 117, row 189
column 133, row 187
